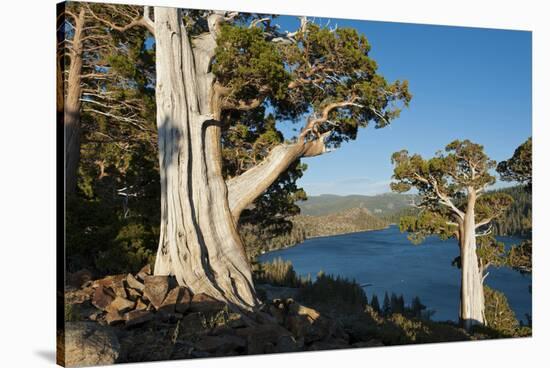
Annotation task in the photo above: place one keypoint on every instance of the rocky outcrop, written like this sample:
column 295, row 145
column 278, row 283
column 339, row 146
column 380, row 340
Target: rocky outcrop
column 156, row 319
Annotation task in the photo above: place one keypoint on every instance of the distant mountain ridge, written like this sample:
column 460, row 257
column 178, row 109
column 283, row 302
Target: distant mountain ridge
column 378, row 205
column 342, row 222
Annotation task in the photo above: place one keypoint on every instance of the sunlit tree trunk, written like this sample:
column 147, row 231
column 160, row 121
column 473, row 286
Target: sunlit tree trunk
column 472, row 307
column 199, row 243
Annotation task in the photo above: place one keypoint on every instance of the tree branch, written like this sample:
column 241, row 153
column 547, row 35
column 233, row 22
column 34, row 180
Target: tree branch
column 485, row 233
column 313, row 123
column 244, row 189
column 484, row 222
column 140, row 21
column 446, row 201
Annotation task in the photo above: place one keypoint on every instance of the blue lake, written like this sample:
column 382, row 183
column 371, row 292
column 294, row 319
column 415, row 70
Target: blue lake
column 389, row 262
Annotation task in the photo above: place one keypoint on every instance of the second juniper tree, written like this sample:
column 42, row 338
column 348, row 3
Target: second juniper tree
column 454, row 204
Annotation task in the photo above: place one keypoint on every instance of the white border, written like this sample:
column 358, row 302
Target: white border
column 27, row 183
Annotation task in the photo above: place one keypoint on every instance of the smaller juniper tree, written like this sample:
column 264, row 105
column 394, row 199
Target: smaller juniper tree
column 454, row 204
column 519, row 168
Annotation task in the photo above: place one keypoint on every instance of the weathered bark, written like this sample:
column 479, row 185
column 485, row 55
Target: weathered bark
column 199, row 243
column 244, row 189
column 472, row 305
column 72, row 106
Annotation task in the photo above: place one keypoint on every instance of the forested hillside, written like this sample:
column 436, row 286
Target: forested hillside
column 341, row 222
column 378, row 205
column 518, row 218
column 301, row 227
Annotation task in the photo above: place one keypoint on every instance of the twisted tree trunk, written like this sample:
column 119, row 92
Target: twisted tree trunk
column 472, row 306
column 199, row 243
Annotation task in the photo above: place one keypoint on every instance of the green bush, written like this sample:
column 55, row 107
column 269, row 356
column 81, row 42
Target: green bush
column 398, row 329
column 500, row 317
column 98, row 238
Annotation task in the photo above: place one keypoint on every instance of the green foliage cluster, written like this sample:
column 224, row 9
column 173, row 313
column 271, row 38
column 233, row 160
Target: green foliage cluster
column 451, row 173
column 333, row 293
column 446, row 184
column 249, row 65
column 112, row 219
column 318, row 68
column 519, row 167
column 500, row 317
column 520, row 257
column 328, row 66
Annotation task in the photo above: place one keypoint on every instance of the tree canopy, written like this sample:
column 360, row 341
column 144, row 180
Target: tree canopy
column 444, row 184
column 518, row 168
column 326, row 74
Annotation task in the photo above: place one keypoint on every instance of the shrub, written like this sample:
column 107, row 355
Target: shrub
column 399, row 329
column 500, row 317
column 98, row 238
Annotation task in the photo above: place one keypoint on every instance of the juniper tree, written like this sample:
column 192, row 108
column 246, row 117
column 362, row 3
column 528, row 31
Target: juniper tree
column 454, row 204
column 519, row 169
column 212, row 64
column 87, row 79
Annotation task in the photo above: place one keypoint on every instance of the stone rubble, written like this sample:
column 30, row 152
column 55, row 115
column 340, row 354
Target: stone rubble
column 154, row 318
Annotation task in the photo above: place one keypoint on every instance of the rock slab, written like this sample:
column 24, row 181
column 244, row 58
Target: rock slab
column 88, row 343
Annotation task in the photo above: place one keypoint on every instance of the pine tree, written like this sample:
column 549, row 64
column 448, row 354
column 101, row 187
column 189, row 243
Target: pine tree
column 375, row 304
column 386, row 307
column 417, row 307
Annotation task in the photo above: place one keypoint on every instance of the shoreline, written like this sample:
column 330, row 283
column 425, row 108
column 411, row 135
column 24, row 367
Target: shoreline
column 322, row 236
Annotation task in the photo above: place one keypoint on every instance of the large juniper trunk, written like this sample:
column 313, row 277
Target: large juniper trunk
column 199, row 243
column 72, row 107
column 472, row 308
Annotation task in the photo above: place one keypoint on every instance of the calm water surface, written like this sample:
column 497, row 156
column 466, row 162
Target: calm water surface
column 387, row 261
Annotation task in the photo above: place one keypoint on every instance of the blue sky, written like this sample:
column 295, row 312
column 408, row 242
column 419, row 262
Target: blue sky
column 467, row 83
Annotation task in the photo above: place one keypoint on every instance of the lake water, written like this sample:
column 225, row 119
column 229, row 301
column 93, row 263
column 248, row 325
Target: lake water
column 388, row 261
